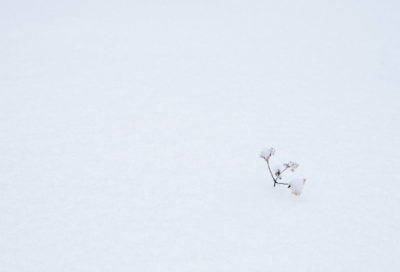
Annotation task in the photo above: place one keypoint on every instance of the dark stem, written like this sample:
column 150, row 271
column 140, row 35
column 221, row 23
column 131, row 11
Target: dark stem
column 282, row 172
column 275, row 182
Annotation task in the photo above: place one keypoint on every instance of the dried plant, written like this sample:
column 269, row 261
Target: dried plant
column 295, row 185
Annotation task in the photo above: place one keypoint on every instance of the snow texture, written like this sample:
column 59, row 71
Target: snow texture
column 130, row 132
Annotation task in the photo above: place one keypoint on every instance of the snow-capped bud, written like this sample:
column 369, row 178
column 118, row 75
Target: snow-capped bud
column 266, row 153
column 277, row 171
column 297, row 186
column 293, row 165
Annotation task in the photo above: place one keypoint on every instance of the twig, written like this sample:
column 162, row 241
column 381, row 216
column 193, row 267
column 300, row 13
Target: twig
column 296, row 188
column 275, row 182
column 282, row 172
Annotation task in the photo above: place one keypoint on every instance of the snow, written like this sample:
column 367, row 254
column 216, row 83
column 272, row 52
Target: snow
column 130, row 135
column 297, row 186
column 266, row 153
column 277, row 169
column 293, row 165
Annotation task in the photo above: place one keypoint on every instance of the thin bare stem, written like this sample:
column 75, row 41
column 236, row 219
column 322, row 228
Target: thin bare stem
column 280, row 174
column 271, row 173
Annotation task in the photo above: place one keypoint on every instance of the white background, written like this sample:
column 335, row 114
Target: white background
column 130, row 135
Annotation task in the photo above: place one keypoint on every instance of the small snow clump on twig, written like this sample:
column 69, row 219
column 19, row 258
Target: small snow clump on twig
column 297, row 186
column 266, row 153
column 277, row 171
column 293, row 165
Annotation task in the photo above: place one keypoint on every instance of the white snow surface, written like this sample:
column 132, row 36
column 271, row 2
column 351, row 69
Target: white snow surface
column 130, row 135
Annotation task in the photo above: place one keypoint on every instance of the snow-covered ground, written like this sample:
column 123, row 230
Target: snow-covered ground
column 130, row 135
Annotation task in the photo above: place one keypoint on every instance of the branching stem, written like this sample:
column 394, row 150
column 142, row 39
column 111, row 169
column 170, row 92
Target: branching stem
column 282, row 172
column 275, row 180
column 271, row 173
